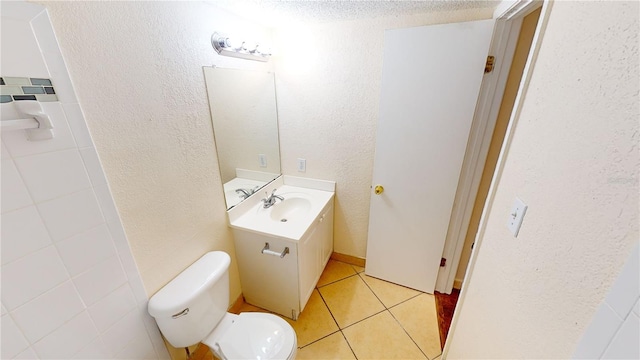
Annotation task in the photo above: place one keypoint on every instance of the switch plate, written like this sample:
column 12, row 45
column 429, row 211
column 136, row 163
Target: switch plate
column 302, row 165
column 262, row 159
column 515, row 216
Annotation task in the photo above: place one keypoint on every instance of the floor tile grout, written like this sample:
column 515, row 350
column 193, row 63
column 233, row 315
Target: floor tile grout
column 335, row 281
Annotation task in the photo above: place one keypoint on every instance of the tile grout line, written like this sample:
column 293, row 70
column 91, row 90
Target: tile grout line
column 389, row 310
column 409, row 335
column 335, row 281
column 349, row 345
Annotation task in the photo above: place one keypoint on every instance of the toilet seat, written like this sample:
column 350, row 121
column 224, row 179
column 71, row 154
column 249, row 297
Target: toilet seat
column 257, row 336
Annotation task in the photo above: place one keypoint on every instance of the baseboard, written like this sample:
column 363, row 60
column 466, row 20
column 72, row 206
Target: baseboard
column 457, row 284
column 349, row 259
column 235, row 307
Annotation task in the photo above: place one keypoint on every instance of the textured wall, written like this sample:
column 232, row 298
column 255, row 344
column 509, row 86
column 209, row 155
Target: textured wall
column 328, row 89
column 137, row 68
column 574, row 160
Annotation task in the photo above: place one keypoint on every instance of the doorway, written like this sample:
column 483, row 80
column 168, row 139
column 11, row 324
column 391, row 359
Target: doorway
column 447, row 303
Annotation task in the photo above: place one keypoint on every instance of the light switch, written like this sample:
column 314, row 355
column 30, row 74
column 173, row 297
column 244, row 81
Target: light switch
column 515, row 216
column 302, row 165
column 262, row 159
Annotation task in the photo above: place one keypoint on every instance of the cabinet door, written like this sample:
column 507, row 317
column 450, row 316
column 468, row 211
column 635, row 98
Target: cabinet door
column 309, row 248
column 268, row 281
column 326, row 235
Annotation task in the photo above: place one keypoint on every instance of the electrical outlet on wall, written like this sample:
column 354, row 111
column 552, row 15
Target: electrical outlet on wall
column 515, row 216
column 302, row 165
column 262, row 159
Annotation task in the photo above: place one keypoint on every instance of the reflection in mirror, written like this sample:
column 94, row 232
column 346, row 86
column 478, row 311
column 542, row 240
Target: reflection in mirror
column 245, row 126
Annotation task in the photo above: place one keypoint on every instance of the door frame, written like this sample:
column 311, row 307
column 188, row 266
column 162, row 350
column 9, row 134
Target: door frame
column 505, row 12
column 509, row 15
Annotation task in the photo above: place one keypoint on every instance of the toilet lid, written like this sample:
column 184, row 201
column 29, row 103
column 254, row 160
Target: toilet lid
column 258, row 336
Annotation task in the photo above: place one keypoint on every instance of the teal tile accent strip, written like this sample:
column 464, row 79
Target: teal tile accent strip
column 16, row 80
column 24, row 97
column 33, row 89
column 37, row 81
column 24, row 88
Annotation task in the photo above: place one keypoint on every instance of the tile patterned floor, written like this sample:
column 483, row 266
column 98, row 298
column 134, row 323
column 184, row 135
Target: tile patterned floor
column 353, row 316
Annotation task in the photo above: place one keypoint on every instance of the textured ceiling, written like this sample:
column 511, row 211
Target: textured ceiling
column 275, row 12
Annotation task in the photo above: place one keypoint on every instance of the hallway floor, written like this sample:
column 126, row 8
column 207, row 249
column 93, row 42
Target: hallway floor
column 353, row 316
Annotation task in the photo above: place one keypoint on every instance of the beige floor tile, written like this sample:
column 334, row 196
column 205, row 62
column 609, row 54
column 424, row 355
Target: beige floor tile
column 381, row 337
column 350, row 300
column 314, row 322
column 389, row 293
column 419, row 318
column 334, row 271
column 331, row 347
column 358, row 269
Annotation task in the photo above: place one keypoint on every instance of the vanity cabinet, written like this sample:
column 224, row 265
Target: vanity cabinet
column 282, row 281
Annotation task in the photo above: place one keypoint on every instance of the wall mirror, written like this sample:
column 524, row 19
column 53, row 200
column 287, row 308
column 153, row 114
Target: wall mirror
column 245, row 127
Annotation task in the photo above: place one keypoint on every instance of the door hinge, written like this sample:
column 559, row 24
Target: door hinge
column 488, row 67
column 443, row 262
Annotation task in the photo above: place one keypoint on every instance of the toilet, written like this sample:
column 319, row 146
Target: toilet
column 192, row 308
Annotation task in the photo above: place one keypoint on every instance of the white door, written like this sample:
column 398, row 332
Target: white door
column 430, row 85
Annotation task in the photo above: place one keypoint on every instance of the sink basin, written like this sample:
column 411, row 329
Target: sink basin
column 288, row 219
column 292, row 208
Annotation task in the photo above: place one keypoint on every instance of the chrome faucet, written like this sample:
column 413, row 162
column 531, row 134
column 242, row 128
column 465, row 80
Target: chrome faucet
column 247, row 192
column 270, row 200
column 244, row 193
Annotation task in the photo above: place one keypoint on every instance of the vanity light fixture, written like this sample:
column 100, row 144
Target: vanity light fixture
column 228, row 46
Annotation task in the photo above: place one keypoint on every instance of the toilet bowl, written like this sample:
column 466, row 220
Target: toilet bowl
column 192, row 308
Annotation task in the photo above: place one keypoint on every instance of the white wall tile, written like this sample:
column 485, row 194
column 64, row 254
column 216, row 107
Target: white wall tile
column 85, row 250
column 4, row 310
column 124, row 331
column 13, row 190
column 603, row 327
column 108, row 207
column 139, row 348
column 71, row 214
column 18, row 145
column 154, row 334
column 23, row 232
column 100, row 280
column 28, row 354
column 138, row 289
column 54, row 174
column 78, row 125
column 626, row 290
column 636, row 308
column 113, row 307
column 48, row 312
column 92, row 163
column 4, row 152
column 21, row 11
column 625, row 344
column 17, row 37
column 31, row 276
column 13, row 342
column 95, row 350
column 60, row 77
column 43, row 31
column 68, row 339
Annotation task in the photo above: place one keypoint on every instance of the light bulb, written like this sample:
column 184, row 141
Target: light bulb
column 232, row 43
column 249, row 46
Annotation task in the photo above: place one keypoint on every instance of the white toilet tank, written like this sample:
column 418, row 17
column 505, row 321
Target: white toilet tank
column 190, row 306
